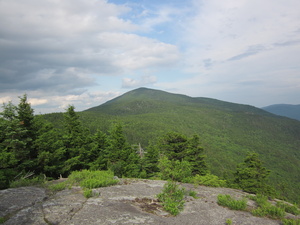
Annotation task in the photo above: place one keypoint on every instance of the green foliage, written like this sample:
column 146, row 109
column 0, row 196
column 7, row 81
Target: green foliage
column 291, row 221
column 265, row 208
column 58, row 187
column 251, row 176
column 193, row 194
column 92, row 179
column 209, row 180
column 289, row 208
column 269, row 211
column 172, row 198
column 2, row 220
column 88, row 193
column 174, row 170
column 228, row 201
column 228, row 221
column 177, row 147
column 27, row 181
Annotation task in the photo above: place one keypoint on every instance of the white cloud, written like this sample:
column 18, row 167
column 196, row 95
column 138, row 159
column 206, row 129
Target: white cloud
column 133, row 83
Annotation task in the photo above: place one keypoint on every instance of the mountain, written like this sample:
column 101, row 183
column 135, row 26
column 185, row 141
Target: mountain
column 287, row 110
column 227, row 131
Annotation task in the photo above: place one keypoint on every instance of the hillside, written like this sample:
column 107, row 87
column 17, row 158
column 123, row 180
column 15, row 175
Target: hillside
column 287, row 110
column 227, row 131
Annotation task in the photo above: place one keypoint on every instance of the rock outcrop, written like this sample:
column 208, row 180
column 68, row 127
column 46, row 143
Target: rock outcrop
column 132, row 202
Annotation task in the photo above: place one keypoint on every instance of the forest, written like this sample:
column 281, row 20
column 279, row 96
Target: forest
column 31, row 146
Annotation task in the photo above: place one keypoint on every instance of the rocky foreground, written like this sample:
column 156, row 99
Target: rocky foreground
column 132, row 202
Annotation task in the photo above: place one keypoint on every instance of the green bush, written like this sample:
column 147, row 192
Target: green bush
column 293, row 209
column 265, row 208
column 23, row 182
column 92, row 179
column 209, row 180
column 291, row 222
column 229, row 221
column 228, row 201
column 193, row 194
column 172, row 198
column 88, row 193
column 58, row 187
column 269, row 211
column 2, row 220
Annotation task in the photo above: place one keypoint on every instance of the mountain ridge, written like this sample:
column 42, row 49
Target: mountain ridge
column 287, row 110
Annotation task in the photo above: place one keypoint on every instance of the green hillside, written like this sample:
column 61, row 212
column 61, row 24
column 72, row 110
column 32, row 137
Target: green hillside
column 227, row 130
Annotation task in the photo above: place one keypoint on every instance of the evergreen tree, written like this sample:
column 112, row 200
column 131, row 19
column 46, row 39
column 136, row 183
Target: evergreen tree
column 77, row 142
column 252, row 176
column 121, row 157
column 99, row 152
column 194, row 155
column 150, row 161
column 173, row 145
column 51, row 150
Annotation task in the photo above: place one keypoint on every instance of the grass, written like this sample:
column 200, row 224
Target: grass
column 23, row 182
column 266, row 209
column 92, row 179
column 293, row 209
column 229, row 221
column 228, row 201
column 87, row 180
column 209, row 180
column 58, row 187
column 172, row 198
column 291, row 222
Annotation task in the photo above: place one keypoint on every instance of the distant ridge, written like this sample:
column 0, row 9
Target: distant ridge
column 287, row 110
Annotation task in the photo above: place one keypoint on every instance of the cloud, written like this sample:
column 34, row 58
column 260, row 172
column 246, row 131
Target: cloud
column 132, row 83
column 60, row 47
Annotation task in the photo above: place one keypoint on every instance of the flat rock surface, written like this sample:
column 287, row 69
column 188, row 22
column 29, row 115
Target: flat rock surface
column 132, row 202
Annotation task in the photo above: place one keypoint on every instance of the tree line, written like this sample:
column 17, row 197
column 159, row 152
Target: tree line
column 29, row 143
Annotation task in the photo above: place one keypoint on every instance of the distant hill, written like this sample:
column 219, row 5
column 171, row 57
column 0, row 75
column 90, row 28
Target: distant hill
column 291, row 111
column 227, row 131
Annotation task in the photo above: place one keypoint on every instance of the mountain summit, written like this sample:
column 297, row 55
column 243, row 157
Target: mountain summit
column 145, row 100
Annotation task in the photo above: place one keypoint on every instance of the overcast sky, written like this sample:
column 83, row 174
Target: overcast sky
column 85, row 52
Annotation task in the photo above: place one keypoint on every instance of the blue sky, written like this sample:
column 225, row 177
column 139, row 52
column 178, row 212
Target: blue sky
column 86, row 52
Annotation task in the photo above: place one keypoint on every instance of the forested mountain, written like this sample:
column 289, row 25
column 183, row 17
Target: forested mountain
column 148, row 133
column 227, row 131
column 287, row 110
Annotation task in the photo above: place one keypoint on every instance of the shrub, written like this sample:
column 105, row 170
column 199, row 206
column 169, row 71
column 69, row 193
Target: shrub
column 293, row 209
column 228, row 201
column 209, row 180
column 92, row 179
column 229, row 221
column 265, row 208
column 193, row 194
column 22, row 182
column 269, row 211
column 291, row 222
column 88, row 193
column 174, row 170
column 58, row 187
column 172, row 198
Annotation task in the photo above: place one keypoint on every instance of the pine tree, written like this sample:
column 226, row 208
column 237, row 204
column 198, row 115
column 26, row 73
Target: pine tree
column 252, row 176
column 77, row 141
column 194, row 155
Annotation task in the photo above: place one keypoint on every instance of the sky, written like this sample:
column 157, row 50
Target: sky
column 86, row 52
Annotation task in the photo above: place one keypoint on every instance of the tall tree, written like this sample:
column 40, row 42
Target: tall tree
column 195, row 156
column 77, row 141
column 252, row 176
